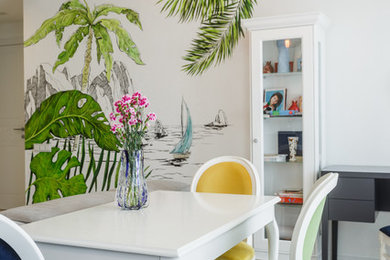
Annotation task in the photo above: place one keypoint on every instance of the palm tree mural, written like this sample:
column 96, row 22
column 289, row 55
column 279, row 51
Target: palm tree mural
column 91, row 24
column 219, row 32
column 72, row 113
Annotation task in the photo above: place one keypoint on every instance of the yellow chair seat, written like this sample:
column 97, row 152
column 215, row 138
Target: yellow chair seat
column 242, row 251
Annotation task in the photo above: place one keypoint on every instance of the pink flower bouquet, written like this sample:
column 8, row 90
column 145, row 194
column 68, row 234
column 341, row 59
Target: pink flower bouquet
column 129, row 122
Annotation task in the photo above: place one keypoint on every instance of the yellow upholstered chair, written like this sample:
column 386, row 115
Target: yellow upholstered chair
column 234, row 175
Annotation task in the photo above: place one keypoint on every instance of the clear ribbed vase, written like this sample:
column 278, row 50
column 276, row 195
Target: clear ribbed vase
column 132, row 191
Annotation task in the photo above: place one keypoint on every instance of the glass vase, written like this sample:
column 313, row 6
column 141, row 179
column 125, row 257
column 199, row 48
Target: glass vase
column 132, row 192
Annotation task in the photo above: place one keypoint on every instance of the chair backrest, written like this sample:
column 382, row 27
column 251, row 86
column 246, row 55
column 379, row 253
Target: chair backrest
column 15, row 242
column 227, row 174
column 384, row 239
column 306, row 228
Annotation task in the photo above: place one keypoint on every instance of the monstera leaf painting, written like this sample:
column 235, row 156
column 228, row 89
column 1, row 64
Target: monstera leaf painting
column 51, row 180
column 70, row 113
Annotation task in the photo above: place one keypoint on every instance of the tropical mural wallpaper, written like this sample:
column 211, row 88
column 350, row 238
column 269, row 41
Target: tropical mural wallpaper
column 70, row 149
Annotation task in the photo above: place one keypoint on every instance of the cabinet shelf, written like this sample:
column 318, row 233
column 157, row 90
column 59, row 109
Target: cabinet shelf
column 282, row 116
column 284, row 162
column 276, row 75
column 290, row 204
column 299, row 159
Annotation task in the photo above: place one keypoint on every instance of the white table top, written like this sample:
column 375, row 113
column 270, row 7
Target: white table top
column 172, row 225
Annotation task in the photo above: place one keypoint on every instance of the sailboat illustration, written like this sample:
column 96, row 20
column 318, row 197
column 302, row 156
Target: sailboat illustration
column 220, row 120
column 159, row 130
column 182, row 148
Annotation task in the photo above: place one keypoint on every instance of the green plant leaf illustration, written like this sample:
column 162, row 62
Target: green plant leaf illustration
column 103, row 47
column 70, row 113
column 105, row 9
column 125, row 43
column 51, row 180
column 71, row 46
column 74, row 14
column 62, row 19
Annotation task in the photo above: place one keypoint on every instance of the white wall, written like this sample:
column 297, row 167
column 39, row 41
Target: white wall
column 11, row 115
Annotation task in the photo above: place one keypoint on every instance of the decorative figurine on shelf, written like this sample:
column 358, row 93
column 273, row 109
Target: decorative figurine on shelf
column 300, row 104
column 284, row 56
column 299, row 64
column 268, row 67
column 294, row 106
column 293, row 145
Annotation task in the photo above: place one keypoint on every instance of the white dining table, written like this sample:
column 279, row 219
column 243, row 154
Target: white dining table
column 175, row 225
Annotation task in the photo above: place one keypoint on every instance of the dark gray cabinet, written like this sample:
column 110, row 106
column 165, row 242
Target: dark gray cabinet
column 360, row 192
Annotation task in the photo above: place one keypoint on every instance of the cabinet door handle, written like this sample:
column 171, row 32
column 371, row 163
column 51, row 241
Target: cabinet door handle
column 255, row 140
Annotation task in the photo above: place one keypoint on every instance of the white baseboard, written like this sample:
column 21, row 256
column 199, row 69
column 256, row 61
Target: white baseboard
column 344, row 257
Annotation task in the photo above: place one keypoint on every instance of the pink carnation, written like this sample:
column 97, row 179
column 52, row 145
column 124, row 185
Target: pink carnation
column 126, row 98
column 133, row 121
column 151, row 116
column 115, row 128
column 118, row 103
column 112, row 117
column 136, row 95
column 144, row 102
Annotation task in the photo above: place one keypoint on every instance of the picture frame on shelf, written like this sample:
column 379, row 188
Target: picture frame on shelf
column 274, row 100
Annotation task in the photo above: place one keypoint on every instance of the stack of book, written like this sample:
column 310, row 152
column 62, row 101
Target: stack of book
column 291, row 196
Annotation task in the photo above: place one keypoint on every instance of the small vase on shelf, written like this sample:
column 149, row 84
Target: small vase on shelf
column 292, row 145
column 284, row 57
column 132, row 191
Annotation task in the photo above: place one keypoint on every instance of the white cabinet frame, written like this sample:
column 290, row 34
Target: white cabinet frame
column 309, row 28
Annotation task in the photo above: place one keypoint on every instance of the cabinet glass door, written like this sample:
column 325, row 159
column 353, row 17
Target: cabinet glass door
column 282, row 129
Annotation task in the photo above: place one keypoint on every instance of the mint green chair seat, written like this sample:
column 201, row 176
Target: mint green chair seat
column 308, row 223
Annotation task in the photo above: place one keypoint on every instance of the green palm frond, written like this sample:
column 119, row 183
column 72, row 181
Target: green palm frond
column 59, row 32
column 189, row 10
column 71, row 46
column 124, row 41
column 103, row 10
column 73, row 5
column 103, row 47
column 219, row 32
column 62, row 19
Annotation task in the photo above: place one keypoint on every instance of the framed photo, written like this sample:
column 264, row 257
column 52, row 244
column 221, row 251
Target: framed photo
column 274, row 100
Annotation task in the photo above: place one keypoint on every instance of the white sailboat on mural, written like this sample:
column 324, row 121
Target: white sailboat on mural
column 182, row 148
column 159, row 130
column 220, row 120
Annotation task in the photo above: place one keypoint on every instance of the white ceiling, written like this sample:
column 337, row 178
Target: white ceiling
column 11, row 11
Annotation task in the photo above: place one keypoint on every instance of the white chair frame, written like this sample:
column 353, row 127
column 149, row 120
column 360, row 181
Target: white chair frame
column 385, row 241
column 320, row 190
column 19, row 240
column 256, row 190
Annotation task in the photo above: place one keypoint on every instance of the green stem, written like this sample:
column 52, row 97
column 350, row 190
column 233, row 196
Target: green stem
column 112, row 171
column 30, row 181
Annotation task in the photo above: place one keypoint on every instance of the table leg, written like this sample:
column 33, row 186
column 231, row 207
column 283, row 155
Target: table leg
column 272, row 231
column 334, row 239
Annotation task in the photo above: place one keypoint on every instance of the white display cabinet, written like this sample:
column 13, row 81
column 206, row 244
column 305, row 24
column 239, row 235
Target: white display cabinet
column 296, row 44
